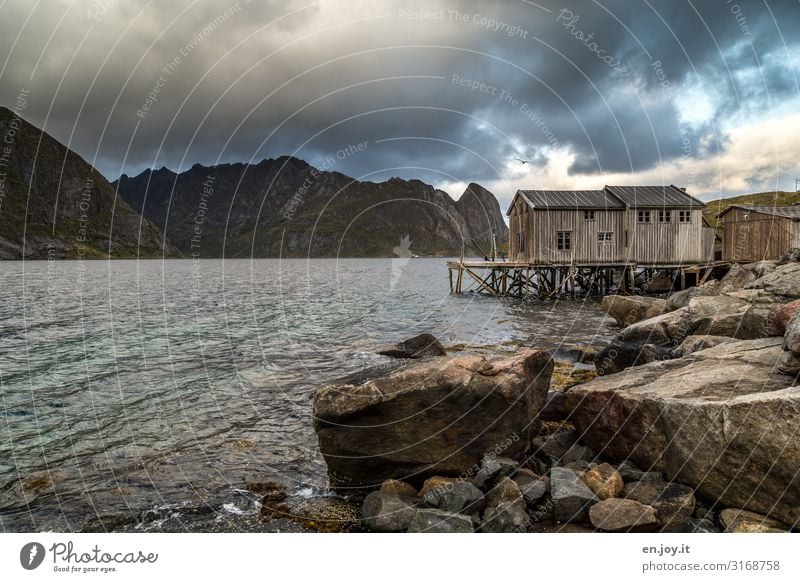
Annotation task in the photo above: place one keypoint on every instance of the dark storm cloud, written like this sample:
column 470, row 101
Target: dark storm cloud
column 468, row 85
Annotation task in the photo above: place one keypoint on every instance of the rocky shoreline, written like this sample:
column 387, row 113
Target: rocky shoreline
column 690, row 424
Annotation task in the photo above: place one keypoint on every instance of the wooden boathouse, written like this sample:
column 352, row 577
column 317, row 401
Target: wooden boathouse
column 595, row 242
column 755, row 233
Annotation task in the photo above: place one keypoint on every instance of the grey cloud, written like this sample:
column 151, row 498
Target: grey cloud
column 215, row 103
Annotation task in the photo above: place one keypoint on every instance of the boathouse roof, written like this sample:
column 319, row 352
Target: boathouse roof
column 610, row 197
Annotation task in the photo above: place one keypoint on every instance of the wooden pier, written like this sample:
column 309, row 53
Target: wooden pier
column 550, row 281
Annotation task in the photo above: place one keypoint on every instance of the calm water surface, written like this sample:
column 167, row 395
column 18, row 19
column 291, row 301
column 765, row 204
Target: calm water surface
column 134, row 386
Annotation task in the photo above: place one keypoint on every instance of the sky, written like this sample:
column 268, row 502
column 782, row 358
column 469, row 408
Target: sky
column 702, row 94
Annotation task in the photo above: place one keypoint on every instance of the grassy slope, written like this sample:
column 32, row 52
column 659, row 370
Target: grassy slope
column 761, row 199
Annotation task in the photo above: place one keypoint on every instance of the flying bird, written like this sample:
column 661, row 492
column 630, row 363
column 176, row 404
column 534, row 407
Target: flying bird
column 523, row 161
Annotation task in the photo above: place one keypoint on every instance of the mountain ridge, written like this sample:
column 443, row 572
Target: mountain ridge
column 286, row 207
column 55, row 205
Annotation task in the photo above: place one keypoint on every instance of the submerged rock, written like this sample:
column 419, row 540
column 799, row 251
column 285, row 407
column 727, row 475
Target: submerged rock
column 722, row 420
column 437, row 417
column 419, row 346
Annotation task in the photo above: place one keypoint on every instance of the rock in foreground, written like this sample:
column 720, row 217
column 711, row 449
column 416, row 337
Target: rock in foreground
column 722, row 420
column 628, row 309
column 623, row 515
column 419, row 346
column 437, row 417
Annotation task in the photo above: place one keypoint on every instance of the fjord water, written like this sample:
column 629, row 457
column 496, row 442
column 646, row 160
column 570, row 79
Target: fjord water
column 135, row 386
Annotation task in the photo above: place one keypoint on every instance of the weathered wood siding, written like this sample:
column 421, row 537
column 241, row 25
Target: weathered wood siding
column 752, row 236
column 653, row 243
column 709, row 238
column 540, row 230
column 664, row 243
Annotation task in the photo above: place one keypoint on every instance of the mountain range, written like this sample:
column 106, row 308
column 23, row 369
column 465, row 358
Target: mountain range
column 54, row 204
column 286, row 207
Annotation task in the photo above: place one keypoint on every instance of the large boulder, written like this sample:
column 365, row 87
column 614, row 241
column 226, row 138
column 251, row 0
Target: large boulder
column 436, row 417
column 789, row 362
column 736, row 278
column 722, row 420
column 791, row 339
column 419, row 346
column 681, row 298
column 668, row 329
column 695, row 343
column 784, row 281
column 781, row 315
column 618, row 356
column 628, row 309
column 721, row 315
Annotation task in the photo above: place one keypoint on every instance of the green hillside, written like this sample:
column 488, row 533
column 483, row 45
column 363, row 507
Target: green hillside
column 761, row 199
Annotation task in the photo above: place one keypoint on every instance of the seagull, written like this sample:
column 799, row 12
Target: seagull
column 523, row 161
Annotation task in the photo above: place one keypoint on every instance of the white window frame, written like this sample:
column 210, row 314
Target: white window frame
column 640, row 214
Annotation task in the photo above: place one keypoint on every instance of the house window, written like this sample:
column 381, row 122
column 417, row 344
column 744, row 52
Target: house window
column 588, row 214
column 684, row 216
column 605, row 237
column 564, row 240
column 644, row 216
column 665, row 216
